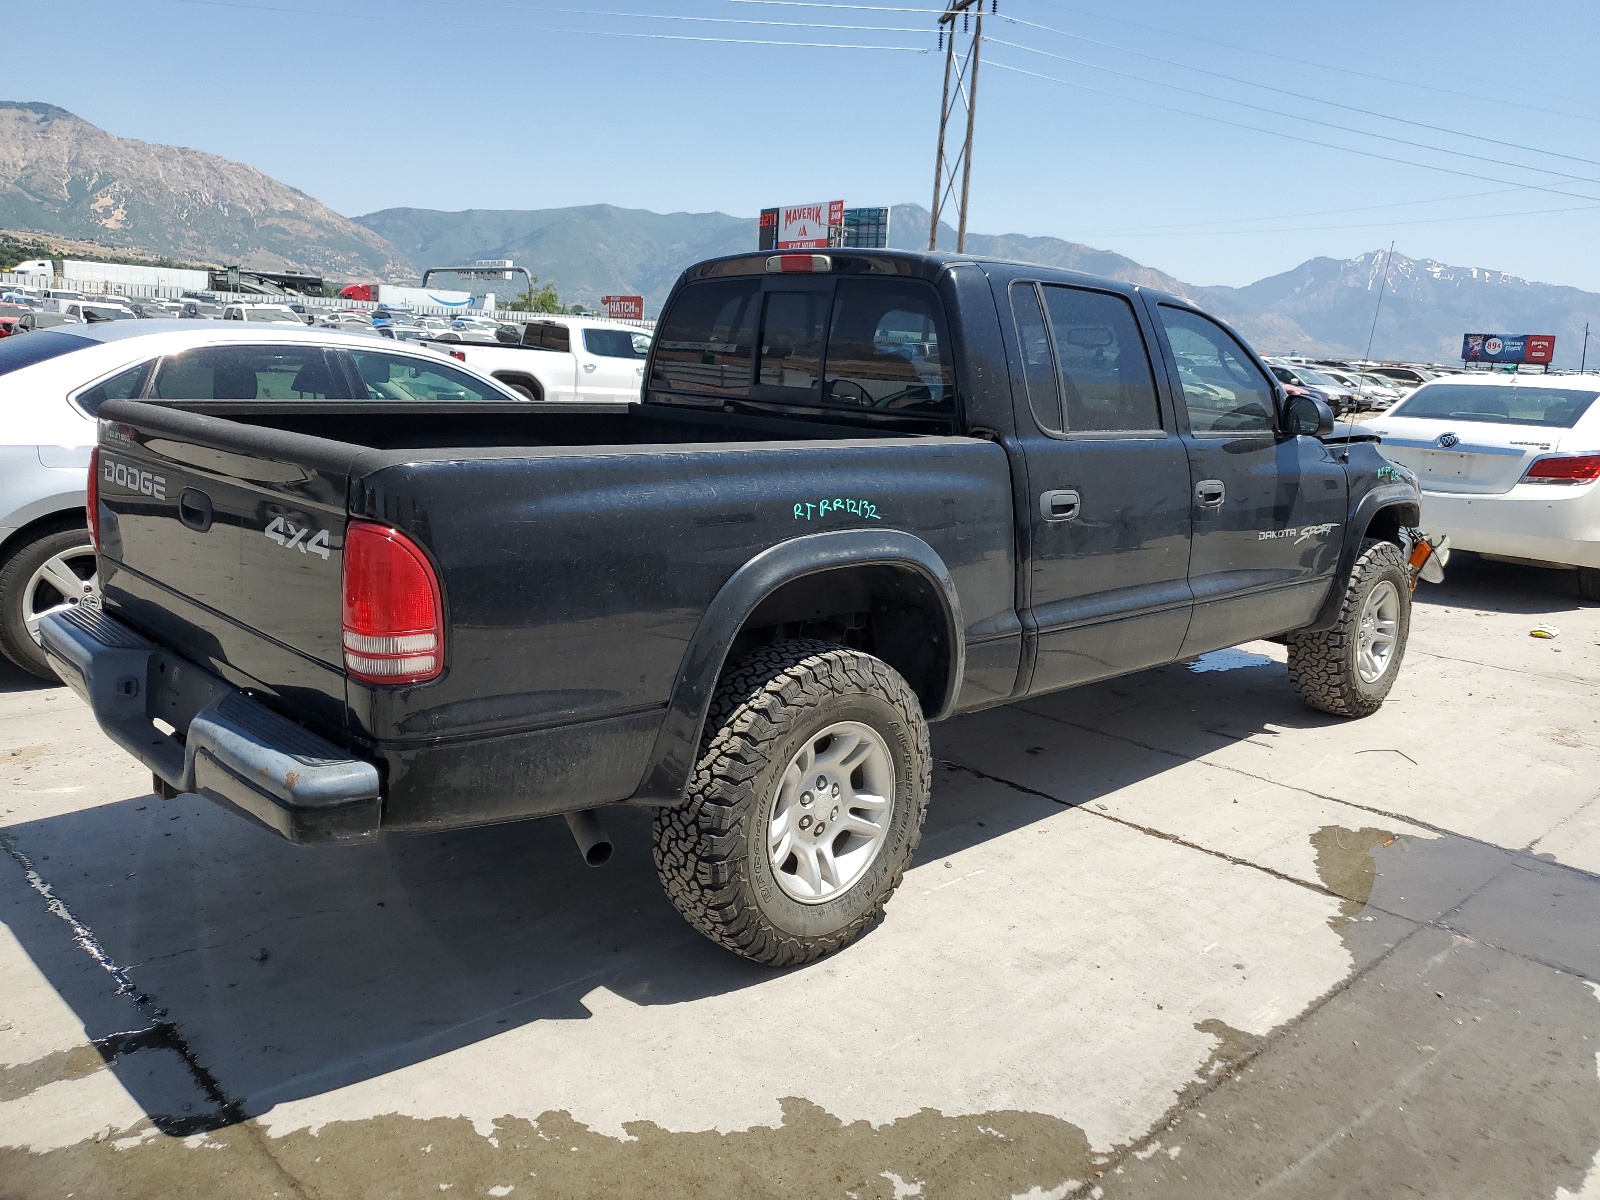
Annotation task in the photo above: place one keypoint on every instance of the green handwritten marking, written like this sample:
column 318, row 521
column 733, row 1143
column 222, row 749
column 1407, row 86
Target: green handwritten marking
column 1388, row 472
column 815, row 510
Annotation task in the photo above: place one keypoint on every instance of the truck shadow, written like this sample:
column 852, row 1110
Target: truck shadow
column 287, row 972
column 13, row 679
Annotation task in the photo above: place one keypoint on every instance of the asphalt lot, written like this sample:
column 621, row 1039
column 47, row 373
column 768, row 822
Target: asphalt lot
column 1170, row 935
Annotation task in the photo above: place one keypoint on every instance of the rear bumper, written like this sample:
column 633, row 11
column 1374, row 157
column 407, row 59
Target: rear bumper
column 231, row 749
column 1549, row 523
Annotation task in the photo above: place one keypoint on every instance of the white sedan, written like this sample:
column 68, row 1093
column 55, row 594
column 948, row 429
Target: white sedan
column 53, row 382
column 1509, row 466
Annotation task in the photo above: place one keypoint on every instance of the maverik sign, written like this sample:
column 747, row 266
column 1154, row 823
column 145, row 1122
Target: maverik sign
column 807, row 226
column 1508, row 348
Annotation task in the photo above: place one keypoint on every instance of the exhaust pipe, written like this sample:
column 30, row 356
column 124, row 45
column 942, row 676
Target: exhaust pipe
column 593, row 841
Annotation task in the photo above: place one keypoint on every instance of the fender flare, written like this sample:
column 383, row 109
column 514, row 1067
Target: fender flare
column 1393, row 495
column 677, row 743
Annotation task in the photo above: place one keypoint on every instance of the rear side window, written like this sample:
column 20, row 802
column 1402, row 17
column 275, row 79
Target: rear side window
column 547, row 335
column 1107, row 382
column 125, row 385
column 1505, row 404
column 250, row 373
column 888, row 349
column 37, row 347
column 615, row 343
column 401, row 377
column 705, row 343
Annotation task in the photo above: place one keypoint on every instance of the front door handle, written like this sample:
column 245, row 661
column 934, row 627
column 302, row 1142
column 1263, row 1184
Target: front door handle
column 1062, row 505
column 1210, row 493
column 588, row 368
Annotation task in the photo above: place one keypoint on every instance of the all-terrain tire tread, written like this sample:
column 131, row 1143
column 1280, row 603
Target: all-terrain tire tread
column 698, row 845
column 1320, row 660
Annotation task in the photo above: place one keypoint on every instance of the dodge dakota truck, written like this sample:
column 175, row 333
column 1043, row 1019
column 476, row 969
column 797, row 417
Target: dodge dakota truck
column 862, row 492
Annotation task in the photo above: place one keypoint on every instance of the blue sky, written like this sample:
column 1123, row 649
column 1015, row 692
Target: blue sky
column 1182, row 133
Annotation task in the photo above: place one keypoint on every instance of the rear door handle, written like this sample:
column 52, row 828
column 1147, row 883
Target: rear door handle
column 1210, row 493
column 589, row 367
column 1062, row 505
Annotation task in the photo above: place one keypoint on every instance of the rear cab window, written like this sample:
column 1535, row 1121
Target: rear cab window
column 821, row 345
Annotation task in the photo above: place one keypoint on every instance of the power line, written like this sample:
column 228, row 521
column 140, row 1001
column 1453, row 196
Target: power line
column 1499, row 162
column 1293, row 137
column 1279, row 59
column 660, row 37
column 586, row 12
column 1302, row 96
column 1179, row 231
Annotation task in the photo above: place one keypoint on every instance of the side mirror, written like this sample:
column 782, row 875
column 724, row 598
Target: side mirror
column 1307, row 417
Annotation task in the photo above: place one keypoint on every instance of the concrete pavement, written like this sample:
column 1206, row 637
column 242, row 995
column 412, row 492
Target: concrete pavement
column 1173, row 934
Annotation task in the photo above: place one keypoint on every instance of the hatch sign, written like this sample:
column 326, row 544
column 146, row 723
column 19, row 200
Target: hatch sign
column 624, row 308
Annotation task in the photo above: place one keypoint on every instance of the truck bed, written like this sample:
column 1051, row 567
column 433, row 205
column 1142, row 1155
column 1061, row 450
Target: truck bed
column 577, row 549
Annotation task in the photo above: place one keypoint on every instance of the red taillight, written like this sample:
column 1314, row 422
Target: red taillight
column 458, row 355
column 393, row 617
column 1570, row 468
column 94, row 498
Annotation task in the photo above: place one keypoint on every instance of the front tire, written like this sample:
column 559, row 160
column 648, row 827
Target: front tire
column 54, row 571
column 763, row 860
column 1349, row 669
column 1589, row 583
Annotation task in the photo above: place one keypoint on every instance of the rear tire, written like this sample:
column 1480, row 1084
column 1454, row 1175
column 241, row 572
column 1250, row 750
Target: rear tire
column 37, row 578
column 1349, row 669
column 743, row 860
column 1589, row 583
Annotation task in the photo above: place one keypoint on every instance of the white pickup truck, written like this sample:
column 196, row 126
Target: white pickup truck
column 563, row 358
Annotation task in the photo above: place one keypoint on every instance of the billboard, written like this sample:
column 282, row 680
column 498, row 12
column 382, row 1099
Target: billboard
column 808, row 226
column 1508, row 347
column 624, row 308
column 814, row 226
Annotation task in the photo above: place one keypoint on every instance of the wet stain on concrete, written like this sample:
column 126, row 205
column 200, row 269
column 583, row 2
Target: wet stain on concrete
column 811, row 1154
column 1447, row 1066
column 22, row 1079
column 1346, row 866
column 1234, row 1048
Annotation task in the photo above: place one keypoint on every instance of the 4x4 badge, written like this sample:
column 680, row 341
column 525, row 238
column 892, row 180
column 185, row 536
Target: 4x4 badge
column 1446, row 440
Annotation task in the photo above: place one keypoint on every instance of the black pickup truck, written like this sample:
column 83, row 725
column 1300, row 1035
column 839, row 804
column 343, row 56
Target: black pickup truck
column 863, row 491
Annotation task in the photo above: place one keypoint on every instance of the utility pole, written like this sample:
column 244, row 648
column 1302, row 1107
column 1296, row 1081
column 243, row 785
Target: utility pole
column 962, row 70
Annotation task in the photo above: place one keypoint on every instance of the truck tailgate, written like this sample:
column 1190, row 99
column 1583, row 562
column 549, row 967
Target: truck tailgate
column 224, row 542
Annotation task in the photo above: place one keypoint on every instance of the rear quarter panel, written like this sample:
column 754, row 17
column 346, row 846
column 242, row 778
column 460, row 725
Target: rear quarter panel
column 574, row 581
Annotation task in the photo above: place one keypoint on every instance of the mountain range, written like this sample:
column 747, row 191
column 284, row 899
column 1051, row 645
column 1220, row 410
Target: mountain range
column 64, row 178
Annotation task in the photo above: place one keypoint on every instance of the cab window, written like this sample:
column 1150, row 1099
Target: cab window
column 1224, row 391
column 888, row 349
column 1107, row 383
column 706, row 341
